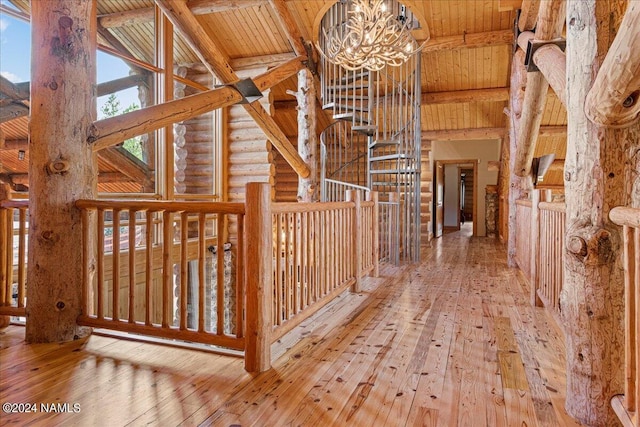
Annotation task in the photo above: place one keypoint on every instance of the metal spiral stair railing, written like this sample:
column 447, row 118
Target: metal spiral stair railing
column 375, row 143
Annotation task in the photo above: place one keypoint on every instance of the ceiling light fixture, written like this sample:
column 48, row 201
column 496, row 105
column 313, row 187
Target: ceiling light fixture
column 372, row 37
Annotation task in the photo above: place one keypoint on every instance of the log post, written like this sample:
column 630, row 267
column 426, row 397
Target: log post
column 61, row 163
column 597, row 162
column 535, row 248
column 550, row 25
column 614, row 99
column 516, row 183
column 5, row 255
column 307, row 137
column 376, row 233
column 356, row 222
column 259, row 271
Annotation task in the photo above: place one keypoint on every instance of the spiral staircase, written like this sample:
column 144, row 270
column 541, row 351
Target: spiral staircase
column 374, row 143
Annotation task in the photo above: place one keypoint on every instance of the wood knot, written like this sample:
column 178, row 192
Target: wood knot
column 58, row 167
column 577, row 246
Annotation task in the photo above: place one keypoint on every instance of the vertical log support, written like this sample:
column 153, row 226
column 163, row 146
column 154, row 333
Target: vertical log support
column 376, row 233
column 535, row 248
column 596, row 164
column 516, row 98
column 356, row 222
column 61, row 164
column 307, row 137
column 5, row 254
column 259, row 271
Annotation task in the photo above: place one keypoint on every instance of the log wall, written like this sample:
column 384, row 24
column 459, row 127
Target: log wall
column 249, row 152
column 426, row 192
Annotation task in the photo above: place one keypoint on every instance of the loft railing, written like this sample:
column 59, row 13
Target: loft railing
column 181, row 270
column 319, row 250
column 551, row 254
column 523, row 236
column 540, row 231
column 13, row 257
column 627, row 406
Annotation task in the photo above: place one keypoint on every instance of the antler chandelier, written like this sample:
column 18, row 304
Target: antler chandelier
column 371, row 38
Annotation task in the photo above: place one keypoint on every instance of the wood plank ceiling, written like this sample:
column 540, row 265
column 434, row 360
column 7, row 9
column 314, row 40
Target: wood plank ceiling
column 469, row 50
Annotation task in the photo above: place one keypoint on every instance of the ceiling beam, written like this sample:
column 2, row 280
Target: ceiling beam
column 471, row 95
column 484, row 133
column 551, row 20
column 15, row 144
column 211, row 55
column 256, row 61
column 463, row 134
column 198, row 7
column 289, row 25
column 528, row 15
column 469, row 41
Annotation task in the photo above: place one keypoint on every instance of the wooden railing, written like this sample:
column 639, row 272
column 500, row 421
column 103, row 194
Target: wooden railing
column 319, row 250
column 159, row 282
column 288, row 261
column 627, row 407
column 523, row 236
column 13, row 257
column 550, row 258
column 540, row 231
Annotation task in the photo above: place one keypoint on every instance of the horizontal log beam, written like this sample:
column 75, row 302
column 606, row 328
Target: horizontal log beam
column 198, row 7
column 113, row 130
column 472, row 95
column 463, row 134
column 123, row 83
column 614, row 98
column 484, row 133
column 256, row 61
column 469, row 41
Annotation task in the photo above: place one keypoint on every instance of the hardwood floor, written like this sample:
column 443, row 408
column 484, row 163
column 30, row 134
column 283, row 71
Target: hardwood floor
column 452, row 341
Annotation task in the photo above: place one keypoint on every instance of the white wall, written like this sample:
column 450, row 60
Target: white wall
column 451, row 198
column 485, row 151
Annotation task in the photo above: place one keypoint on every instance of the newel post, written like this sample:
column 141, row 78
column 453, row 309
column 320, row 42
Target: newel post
column 355, row 197
column 259, row 271
column 376, row 233
column 535, row 247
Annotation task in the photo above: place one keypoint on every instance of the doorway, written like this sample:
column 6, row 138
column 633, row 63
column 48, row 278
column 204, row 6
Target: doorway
column 455, row 191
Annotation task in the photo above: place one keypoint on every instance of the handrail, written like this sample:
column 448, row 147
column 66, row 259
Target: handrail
column 626, row 405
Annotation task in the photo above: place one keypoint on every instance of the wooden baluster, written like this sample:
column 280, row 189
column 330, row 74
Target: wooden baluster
column 132, row 266
column 115, row 258
column 167, row 269
column 22, row 234
column 9, row 274
column 184, row 268
column 4, row 252
column 202, row 247
column 220, row 276
column 240, row 277
column 100, row 263
column 148, row 278
column 87, row 295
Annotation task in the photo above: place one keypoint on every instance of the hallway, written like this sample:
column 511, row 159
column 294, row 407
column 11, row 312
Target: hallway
column 452, row 341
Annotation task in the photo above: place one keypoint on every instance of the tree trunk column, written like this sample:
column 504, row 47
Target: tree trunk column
column 307, row 138
column 592, row 297
column 61, row 166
